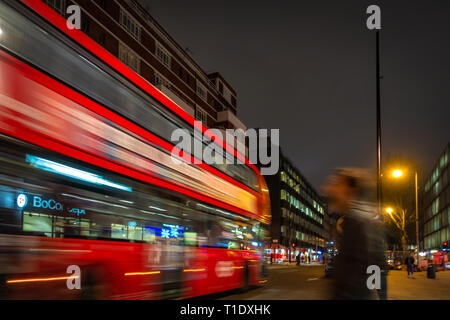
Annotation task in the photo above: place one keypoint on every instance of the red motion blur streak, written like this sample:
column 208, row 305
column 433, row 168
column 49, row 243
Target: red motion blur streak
column 13, row 70
column 120, row 67
column 59, row 22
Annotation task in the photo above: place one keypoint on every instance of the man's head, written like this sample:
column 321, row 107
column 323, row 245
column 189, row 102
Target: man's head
column 346, row 185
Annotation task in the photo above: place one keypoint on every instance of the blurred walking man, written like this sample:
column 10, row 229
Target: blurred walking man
column 350, row 193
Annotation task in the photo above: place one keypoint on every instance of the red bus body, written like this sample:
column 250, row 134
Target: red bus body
column 38, row 110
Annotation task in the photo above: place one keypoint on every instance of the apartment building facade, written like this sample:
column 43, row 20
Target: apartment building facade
column 298, row 215
column 128, row 31
column 434, row 217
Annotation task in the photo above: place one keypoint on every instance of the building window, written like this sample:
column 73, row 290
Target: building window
column 101, row 39
column 129, row 58
column 85, row 25
column 201, row 115
column 233, row 101
column 444, row 160
column 57, row 5
column 163, row 55
column 227, row 95
column 219, row 107
column 436, row 188
column 435, row 206
column 130, row 25
column 161, row 81
column 201, row 91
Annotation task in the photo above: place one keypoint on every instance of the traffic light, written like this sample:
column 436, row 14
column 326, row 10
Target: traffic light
column 445, row 245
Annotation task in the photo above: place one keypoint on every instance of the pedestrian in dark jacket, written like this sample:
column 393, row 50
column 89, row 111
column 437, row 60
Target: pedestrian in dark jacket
column 349, row 192
column 409, row 262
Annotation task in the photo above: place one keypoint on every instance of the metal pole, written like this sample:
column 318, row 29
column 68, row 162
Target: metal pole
column 379, row 195
column 416, row 187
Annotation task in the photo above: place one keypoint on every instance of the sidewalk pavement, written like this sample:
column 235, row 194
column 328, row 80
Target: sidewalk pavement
column 420, row 288
column 276, row 266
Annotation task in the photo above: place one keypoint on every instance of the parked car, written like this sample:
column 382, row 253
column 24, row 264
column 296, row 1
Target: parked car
column 394, row 265
column 329, row 269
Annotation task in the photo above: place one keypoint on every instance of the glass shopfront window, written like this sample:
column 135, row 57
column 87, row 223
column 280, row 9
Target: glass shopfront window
column 40, row 223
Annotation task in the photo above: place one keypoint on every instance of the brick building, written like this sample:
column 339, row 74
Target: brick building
column 128, row 31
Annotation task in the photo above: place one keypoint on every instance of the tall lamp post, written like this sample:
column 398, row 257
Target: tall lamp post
column 373, row 22
column 398, row 174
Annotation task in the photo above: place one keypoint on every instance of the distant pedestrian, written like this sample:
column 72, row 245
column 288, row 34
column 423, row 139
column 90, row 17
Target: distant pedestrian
column 298, row 259
column 409, row 262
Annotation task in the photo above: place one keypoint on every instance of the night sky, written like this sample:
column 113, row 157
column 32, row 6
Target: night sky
column 308, row 68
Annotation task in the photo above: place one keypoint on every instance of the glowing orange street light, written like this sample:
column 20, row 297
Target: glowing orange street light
column 389, row 210
column 397, row 173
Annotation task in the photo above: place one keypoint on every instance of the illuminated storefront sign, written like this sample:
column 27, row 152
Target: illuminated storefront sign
column 49, row 204
column 169, row 231
column 22, row 200
column 77, row 211
column 132, row 224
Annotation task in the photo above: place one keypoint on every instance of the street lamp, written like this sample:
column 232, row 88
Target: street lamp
column 398, row 174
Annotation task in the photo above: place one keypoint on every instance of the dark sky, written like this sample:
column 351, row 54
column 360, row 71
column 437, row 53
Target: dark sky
column 308, row 68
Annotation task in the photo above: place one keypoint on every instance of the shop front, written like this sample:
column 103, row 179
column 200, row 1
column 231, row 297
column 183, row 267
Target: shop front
column 280, row 254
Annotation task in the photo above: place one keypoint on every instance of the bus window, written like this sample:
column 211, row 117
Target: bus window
column 66, row 226
column 37, row 222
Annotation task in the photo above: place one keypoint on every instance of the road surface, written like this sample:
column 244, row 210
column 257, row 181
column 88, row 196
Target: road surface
column 308, row 283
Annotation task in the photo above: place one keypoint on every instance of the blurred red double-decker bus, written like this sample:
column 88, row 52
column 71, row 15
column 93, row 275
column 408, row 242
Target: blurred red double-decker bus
column 87, row 180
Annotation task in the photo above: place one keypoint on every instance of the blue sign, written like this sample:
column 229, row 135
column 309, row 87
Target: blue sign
column 50, row 204
column 168, row 232
column 77, row 211
column 131, row 223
